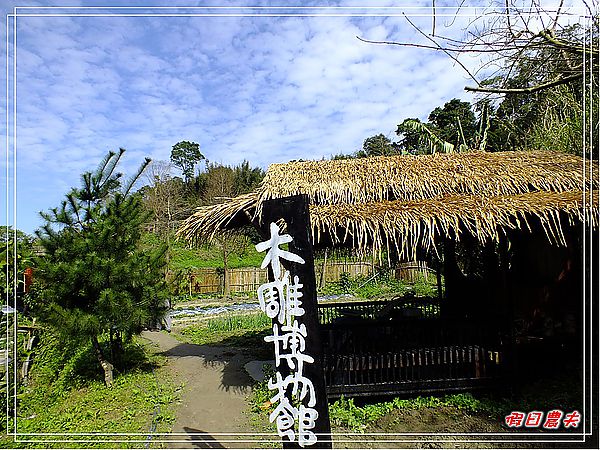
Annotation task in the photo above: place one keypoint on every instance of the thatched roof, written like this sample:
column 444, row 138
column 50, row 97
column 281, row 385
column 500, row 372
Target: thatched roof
column 427, row 176
column 406, row 200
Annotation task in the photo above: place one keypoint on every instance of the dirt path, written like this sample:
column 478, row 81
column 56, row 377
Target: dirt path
column 213, row 400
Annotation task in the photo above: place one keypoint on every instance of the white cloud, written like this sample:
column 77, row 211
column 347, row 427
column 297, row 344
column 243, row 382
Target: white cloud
column 262, row 89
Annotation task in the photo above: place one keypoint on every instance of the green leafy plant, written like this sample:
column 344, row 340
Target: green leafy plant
column 61, row 397
column 233, row 330
column 94, row 280
column 345, row 413
column 381, row 284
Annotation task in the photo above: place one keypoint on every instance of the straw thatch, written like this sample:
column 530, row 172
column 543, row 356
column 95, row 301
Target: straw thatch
column 409, row 225
column 405, row 201
column 209, row 220
column 427, row 176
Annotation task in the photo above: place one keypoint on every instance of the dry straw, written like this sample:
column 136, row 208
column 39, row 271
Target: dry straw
column 409, row 225
column 406, row 201
column 426, row 176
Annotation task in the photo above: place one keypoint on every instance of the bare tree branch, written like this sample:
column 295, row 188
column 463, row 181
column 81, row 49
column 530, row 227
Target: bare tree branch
column 556, row 17
column 443, row 50
column 515, row 49
column 528, row 90
column 567, row 46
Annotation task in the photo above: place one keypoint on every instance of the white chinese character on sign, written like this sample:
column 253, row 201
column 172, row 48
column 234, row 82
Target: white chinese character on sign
column 275, row 253
column 285, row 414
column 269, row 298
column 280, row 300
column 306, row 421
column 295, row 341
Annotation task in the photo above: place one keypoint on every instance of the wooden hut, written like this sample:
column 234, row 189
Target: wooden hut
column 407, row 205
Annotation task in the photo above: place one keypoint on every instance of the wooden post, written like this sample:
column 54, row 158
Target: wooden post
column 294, row 211
column 322, row 280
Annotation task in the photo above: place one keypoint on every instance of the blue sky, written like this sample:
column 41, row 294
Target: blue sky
column 264, row 89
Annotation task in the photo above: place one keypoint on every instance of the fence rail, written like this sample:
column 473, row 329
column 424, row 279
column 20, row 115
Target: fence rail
column 404, row 346
column 212, row 281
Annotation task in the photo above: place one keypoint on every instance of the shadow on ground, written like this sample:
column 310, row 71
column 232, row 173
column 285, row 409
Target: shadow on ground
column 233, row 375
column 200, row 439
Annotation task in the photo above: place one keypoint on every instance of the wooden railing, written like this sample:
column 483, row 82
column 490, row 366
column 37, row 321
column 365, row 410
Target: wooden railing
column 424, row 307
column 378, row 348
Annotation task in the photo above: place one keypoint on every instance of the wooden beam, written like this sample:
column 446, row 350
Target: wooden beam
column 294, row 211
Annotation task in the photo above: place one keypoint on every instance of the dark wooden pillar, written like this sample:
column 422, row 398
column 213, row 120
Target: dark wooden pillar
column 294, row 211
column 452, row 302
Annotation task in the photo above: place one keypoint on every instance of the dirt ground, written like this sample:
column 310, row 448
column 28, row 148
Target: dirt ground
column 213, row 398
column 213, row 411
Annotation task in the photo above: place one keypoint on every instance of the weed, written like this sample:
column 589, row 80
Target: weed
column 62, row 397
column 234, row 322
column 233, row 330
column 345, row 413
column 380, row 285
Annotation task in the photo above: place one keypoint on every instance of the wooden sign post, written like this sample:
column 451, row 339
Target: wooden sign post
column 290, row 299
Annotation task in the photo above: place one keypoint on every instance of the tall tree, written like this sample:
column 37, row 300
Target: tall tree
column 219, row 184
column 164, row 197
column 378, row 145
column 454, row 122
column 95, row 281
column 246, row 178
column 186, row 155
column 451, row 128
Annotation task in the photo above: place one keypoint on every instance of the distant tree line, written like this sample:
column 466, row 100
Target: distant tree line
column 171, row 198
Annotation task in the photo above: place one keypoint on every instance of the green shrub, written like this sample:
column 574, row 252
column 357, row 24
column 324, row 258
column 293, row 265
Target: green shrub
column 345, row 413
column 383, row 284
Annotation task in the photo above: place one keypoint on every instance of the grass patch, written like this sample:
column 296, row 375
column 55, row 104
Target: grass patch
column 382, row 285
column 74, row 400
column 235, row 322
column 206, row 256
column 345, row 413
column 245, row 331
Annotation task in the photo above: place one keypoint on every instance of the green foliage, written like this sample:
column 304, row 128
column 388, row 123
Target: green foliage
column 9, row 342
column 219, row 181
column 378, row 145
column 455, row 123
column 380, row 285
column 183, row 257
column 233, row 330
column 412, row 138
column 94, row 279
column 552, row 117
column 261, row 394
column 246, row 178
column 345, row 413
column 235, row 322
column 61, row 398
column 22, row 252
column 451, row 128
column 186, row 155
column 428, row 141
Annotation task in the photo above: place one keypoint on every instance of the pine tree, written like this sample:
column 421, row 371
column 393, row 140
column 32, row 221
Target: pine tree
column 95, row 280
